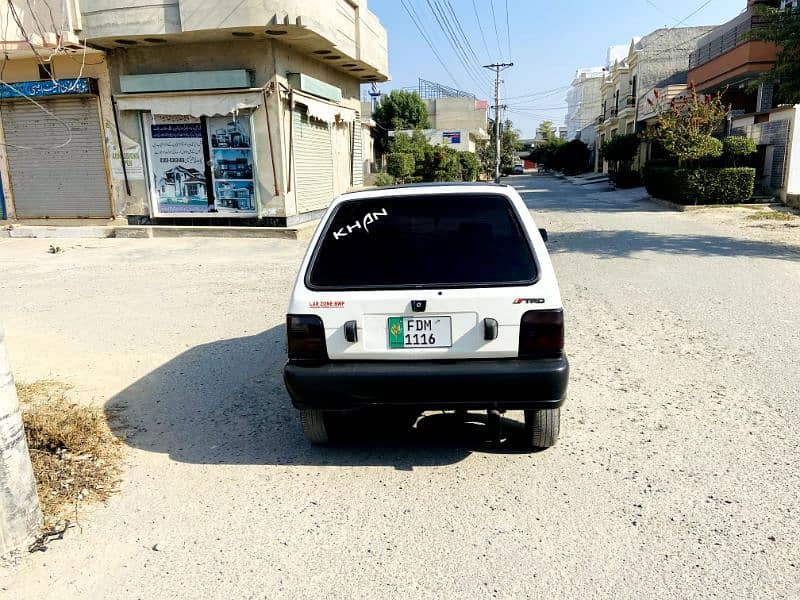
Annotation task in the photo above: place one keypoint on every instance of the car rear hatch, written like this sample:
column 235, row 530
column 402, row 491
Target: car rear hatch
column 416, row 277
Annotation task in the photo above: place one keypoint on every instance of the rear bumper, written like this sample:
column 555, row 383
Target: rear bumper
column 431, row 385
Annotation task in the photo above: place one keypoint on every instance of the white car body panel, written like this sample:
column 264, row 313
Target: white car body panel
column 467, row 307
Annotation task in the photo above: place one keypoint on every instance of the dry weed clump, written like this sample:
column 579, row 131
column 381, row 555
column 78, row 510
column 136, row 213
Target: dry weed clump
column 76, row 458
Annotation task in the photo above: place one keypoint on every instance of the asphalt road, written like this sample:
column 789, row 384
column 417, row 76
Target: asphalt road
column 676, row 475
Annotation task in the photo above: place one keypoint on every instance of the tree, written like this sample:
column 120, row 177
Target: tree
column 509, row 148
column 400, row 165
column 783, row 28
column 398, row 110
column 685, row 126
column 620, row 148
column 484, row 151
column 572, row 157
column 469, row 165
column 545, row 154
column 414, row 144
column 548, row 130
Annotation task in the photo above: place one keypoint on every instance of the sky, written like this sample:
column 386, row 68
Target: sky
column 546, row 40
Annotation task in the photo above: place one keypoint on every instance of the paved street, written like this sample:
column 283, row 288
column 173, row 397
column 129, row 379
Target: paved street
column 676, row 475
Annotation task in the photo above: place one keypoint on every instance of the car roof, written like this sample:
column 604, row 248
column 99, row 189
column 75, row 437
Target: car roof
column 416, row 189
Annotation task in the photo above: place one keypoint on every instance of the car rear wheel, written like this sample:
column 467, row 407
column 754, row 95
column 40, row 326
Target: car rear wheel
column 542, row 427
column 317, row 425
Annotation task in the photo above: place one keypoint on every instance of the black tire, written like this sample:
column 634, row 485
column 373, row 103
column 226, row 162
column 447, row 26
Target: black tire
column 316, row 425
column 542, row 427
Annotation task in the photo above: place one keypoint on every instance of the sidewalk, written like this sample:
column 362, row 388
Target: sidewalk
column 11, row 230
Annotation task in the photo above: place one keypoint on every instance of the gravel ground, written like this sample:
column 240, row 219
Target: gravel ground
column 675, row 476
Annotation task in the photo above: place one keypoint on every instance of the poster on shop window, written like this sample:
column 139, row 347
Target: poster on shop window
column 184, row 149
column 230, row 140
column 178, row 164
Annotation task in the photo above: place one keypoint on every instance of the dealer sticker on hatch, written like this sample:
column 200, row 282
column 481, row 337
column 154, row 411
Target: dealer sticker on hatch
column 420, row 332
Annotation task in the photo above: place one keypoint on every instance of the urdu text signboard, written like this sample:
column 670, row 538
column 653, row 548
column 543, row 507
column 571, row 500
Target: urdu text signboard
column 47, row 87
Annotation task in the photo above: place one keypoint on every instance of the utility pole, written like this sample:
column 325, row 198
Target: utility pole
column 497, row 68
column 20, row 517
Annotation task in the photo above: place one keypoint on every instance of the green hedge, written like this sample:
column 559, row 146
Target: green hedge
column 400, row 164
column 700, row 186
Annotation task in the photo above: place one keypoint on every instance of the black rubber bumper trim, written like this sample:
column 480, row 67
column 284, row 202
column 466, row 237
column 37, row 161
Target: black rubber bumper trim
column 469, row 384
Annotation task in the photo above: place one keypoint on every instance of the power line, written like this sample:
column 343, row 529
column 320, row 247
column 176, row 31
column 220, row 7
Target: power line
column 682, row 21
column 536, row 96
column 452, row 40
column 440, row 13
column 464, row 36
column 494, row 22
column 661, row 10
column 423, row 33
column 480, row 28
column 508, row 31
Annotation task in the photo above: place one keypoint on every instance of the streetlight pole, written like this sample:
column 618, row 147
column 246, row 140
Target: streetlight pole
column 497, row 68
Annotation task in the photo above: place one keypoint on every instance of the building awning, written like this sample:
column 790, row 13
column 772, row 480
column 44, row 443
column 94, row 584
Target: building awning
column 195, row 105
column 324, row 111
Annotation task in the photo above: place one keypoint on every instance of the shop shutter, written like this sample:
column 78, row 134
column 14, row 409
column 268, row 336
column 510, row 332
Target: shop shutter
column 313, row 163
column 358, row 153
column 56, row 182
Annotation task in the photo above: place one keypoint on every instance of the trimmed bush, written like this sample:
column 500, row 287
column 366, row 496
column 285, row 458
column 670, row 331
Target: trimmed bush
column 736, row 147
column 400, row 164
column 383, row 179
column 701, row 186
column 620, row 148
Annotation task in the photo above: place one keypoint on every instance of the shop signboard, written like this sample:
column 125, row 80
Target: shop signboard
column 451, row 137
column 47, row 87
column 181, row 148
column 178, row 164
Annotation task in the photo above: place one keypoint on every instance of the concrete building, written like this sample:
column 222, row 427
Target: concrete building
column 584, row 101
column 656, row 60
column 273, row 86
column 458, row 122
column 727, row 61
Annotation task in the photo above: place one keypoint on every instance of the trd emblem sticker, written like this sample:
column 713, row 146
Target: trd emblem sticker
column 529, row 301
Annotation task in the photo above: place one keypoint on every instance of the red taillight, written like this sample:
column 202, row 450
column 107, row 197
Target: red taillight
column 305, row 336
column 541, row 333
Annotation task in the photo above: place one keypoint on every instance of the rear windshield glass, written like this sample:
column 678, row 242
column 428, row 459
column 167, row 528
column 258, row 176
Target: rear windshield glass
column 423, row 241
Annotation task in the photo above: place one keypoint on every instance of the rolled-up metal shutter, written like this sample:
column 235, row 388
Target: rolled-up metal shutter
column 358, row 153
column 313, row 160
column 56, row 182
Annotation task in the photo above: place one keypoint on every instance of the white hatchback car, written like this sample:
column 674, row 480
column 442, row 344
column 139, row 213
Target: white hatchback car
column 427, row 297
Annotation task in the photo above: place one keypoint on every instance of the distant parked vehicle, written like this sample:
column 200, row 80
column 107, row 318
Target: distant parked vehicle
column 517, row 170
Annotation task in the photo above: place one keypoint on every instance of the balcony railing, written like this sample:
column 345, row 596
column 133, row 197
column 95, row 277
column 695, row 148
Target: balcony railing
column 613, row 112
column 724, row 40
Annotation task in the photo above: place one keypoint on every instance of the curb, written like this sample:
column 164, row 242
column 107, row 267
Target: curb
column 695, row 207
column 299, row 233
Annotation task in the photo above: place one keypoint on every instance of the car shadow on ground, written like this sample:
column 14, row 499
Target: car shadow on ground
column 627, row 243
column 225, row 403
